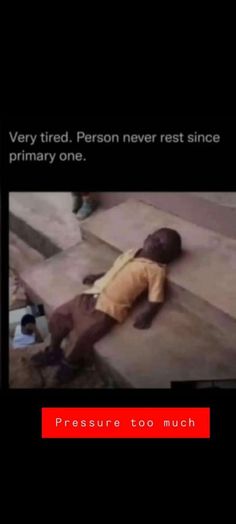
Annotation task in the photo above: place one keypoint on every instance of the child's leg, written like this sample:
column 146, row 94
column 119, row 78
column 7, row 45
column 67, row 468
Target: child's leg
column 59, row 328
column 82, row 343
column 60, row 325
column 92, row 326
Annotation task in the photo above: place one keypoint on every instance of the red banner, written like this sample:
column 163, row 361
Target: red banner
column 126, row 423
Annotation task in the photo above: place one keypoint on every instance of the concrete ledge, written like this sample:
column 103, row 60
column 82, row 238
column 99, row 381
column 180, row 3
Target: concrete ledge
column 59, row 278
column 178, row 347
column 111, row 377
column 41, row 225
column 207, row 267
column 194, row 207
column 33, row 237
column 22, row 256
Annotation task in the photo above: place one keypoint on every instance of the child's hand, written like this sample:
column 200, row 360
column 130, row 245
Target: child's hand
column 142, row 322
column 89, row 280
column 144, row 319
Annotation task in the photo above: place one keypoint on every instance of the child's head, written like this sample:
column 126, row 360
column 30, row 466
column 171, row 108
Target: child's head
column 164, row 245
column 28, row 324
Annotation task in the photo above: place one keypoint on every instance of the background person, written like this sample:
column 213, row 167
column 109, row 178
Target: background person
column 83, row 204
column 26, row 333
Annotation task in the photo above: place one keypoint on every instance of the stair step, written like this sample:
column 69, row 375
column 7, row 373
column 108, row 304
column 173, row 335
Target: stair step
column 214, row 211
column 221, row 198
column 44, row 227
column 178, row 347
column 22, row 256
column 206, row 270
column 59, row 278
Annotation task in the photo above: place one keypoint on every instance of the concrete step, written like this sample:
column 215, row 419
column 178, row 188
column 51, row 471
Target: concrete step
column 45, row 227
column 59, row 278
column 215, row 211
column 22, row 256
column 16, row 292
column 204, row 278
column 225, row 199
column 178, row 347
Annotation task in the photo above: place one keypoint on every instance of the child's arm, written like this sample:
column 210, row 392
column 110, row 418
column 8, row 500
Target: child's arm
column 90, row 279
column 156, row 290
column 144, row 319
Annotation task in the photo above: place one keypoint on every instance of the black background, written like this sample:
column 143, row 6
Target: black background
column 119, row 167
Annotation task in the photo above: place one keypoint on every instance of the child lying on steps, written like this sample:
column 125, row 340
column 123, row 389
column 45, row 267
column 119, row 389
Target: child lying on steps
column 91, row 315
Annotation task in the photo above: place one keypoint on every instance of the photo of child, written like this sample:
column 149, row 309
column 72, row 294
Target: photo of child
column 137, row 290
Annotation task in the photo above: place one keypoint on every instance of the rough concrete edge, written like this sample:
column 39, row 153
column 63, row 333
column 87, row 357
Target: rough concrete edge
column 94, row 239
column 141, row 200
column 109, row 375
column 15, row 240
column 33, row 237
column 34, row 298
column 191, row 222
column 195, row 200
column 202, row 309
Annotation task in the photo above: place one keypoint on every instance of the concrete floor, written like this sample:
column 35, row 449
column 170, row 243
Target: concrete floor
column 44, row 226
column 23, row 375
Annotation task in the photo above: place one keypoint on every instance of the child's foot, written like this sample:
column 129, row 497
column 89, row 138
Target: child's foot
column 86, row 210
column 77, row 203
column 49, row 357
column 65, row 373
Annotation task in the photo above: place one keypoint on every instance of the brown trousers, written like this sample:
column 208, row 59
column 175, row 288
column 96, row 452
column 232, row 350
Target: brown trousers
column 82, row 324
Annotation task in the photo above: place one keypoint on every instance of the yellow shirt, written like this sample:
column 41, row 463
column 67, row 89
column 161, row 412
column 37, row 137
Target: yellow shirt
column 125, row 281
